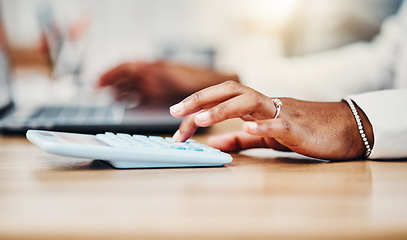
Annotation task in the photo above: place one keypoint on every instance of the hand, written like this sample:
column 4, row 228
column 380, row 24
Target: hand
column 324, row 130
column 159, row 81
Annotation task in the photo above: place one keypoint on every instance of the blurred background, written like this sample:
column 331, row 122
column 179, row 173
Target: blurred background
column 86, row 37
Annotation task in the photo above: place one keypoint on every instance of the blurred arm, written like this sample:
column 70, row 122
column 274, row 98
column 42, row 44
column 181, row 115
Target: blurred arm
column 329, row 76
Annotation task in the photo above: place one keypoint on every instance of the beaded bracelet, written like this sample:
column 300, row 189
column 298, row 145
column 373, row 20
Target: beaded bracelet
column 360, row 127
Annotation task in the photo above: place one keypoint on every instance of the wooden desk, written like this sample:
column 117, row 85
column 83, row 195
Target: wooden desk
column 43, row 196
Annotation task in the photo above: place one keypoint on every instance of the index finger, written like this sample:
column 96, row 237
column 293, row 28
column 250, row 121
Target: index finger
column 206, row 98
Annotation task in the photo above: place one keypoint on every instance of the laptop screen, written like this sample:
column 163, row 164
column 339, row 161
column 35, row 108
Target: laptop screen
column 5, row 98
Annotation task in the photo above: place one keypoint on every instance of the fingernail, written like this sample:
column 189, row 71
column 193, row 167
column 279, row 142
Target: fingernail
column 176, row 136
column 177, row 107
column 203, row 116
column 252, row 125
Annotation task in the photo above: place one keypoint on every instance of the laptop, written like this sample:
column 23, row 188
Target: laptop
column 15, row 119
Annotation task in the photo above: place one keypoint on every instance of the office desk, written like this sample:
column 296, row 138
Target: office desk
column 257, row 196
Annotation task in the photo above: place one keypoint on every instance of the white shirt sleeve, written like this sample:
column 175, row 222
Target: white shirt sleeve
column 330, row 75
column 387, row 112
column 320, row 77
column 387, row 109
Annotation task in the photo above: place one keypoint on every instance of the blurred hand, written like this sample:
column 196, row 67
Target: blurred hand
column 159, row 81
column 324, row 130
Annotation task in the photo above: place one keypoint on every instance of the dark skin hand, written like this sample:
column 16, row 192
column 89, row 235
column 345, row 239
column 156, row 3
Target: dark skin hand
column 325, row 130
column 160, row 81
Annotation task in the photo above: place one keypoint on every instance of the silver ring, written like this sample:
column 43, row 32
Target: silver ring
column 277, row 103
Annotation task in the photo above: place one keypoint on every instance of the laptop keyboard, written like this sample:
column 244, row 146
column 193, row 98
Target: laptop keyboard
column 66, row 115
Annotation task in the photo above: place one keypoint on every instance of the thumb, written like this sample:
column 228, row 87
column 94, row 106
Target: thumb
column 236, row 141
column 283, row 131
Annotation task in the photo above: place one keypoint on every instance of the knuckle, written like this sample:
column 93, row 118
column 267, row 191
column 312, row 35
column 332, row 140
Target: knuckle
column 219, row 113
column 256, row 100
column 129, row 68
column 232, row 85
column 254, row 97
column 219, row 110
column 215, row 112
column 286, row 126
column 187, row 123
column 195, row 98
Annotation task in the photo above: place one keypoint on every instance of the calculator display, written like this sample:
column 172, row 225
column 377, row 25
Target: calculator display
column 73, row 138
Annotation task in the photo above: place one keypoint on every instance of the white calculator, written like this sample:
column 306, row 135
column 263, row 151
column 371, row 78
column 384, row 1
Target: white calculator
column 130, row 151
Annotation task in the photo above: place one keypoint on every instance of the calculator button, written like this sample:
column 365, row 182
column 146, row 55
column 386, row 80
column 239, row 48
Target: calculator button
column 123, row 135
column 137, row 136
column 156, row 138
column 178, row 146
column 122, row 140
column 192, row 148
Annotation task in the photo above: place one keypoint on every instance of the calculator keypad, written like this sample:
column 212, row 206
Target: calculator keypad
column 121, row 140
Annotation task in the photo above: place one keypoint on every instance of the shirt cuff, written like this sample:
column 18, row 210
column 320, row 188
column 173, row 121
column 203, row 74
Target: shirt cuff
column 387, row 112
